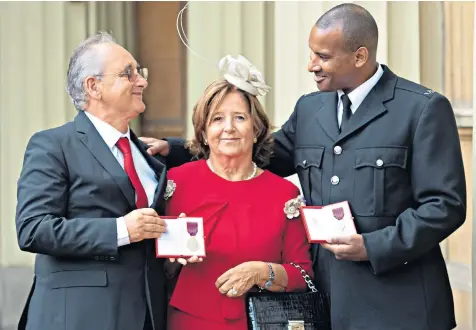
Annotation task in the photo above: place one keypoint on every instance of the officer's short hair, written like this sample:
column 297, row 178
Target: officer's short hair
column 359, row 28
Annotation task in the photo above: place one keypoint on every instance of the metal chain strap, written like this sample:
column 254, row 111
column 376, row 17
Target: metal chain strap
column 306, row 277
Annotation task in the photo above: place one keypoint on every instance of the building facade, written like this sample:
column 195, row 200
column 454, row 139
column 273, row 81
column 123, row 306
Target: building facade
column 427, row 42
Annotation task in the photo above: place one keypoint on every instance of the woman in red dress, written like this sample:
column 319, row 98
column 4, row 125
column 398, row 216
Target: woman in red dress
column 252, row 229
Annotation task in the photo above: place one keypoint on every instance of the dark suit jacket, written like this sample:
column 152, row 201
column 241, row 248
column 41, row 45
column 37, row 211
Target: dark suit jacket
column 401, row 170
column 70, row 192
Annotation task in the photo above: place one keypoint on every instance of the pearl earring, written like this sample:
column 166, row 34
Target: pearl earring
column 255, row 140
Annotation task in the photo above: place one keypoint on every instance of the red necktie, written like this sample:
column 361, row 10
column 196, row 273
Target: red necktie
column 125, row 147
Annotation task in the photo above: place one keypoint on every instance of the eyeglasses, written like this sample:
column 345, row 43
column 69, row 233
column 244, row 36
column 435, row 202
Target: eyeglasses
column 131, row 73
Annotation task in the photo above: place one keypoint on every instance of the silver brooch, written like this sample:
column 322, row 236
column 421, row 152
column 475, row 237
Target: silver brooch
column 169, row 190
column 291, row 207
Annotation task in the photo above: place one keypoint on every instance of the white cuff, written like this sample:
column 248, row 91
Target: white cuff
column 122, row 233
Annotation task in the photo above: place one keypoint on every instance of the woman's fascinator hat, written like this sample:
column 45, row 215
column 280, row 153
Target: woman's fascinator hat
column 242, row 74
column 237, row 71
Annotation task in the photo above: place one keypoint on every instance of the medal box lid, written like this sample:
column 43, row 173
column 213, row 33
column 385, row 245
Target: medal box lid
column 323, row 222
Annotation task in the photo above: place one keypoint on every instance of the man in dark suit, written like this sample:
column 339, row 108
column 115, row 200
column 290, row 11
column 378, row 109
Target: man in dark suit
column 391, row 148
column 88, row 203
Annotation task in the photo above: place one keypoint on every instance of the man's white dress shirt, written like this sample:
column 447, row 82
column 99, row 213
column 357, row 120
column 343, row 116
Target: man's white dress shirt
column 358, row 95
column 110, row 135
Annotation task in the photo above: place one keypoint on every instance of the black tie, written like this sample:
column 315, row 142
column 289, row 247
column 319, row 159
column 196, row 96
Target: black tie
column 346, row 112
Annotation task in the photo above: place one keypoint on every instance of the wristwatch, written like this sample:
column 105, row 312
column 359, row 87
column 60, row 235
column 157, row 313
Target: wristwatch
column 269, row 282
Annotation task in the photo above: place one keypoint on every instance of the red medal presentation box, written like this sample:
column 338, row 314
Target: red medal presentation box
column 325, row 222
column 184, row 238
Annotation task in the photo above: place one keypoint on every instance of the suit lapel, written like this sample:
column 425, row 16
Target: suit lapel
column 327, row 115
column 90, row 137
column 373, row 105
column 370, row 109
column 159, row 169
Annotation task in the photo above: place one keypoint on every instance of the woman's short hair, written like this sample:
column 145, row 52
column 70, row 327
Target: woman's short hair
column 209, row 101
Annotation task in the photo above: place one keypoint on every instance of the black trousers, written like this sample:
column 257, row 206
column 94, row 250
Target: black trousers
column 148, row 321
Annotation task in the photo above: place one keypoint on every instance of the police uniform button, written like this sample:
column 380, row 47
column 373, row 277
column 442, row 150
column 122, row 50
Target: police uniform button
column 335, row 180
column 337, row 150
column 379, row 162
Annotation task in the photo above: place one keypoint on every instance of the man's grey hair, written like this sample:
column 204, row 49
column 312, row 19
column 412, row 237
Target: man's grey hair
column 85, row 61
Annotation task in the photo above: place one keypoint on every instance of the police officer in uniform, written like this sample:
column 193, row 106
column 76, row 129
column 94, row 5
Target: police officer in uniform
column 391, row 148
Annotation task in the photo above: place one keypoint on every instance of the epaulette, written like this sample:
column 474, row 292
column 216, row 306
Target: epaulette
column 413, row 87
column 311, row 94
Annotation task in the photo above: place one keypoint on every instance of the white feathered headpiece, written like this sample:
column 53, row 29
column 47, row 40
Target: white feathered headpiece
column 242, row 74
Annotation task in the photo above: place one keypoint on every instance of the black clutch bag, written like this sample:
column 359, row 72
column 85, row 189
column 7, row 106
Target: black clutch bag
column 289, row 310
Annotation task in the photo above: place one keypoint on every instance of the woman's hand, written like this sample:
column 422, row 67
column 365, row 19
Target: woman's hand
column 184, row 261
column 240, row 279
